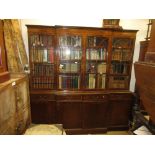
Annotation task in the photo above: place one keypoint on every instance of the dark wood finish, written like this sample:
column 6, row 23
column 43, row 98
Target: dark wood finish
column 150, row 54
column 144, row 72
column 43, row 108
column 4, row 74
column 84, row 108
column 120, row 105
column 71, row 114
column 143, row 50
column 95, row 113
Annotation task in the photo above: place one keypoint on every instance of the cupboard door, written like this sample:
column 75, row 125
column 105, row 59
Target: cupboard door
column 119, row 113
column 70, row 114
column 94, row 114
column 43, row 112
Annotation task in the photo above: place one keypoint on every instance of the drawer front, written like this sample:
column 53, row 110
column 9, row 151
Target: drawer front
column 95, row 97
column 69, row 97
column 121, row 96
column 42, row 97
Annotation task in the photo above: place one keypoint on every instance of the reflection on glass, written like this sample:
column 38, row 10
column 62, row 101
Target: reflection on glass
column 69, row 67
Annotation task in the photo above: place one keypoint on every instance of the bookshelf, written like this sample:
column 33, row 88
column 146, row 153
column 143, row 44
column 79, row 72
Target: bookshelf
column 80, row 77
column 70, row 53
column 96, row 59
column 120, row 64
column 42, row 55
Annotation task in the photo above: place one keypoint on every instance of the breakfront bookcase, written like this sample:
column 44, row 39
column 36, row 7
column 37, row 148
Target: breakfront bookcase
column 80, row 76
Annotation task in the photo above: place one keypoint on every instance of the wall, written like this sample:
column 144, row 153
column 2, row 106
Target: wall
column 138, row 24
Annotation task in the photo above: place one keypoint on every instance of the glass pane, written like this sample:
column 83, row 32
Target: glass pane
column 93, row 41
column 74, row 41
column 43, row 82
column 96, row 54
column 66, row 53
column 69, row 67
column 119, row 68
column 42, row 57
column 69, row 82
column 118, row 82
column 122, row 43
column 122, row 54
column 90, row 67
column 41, row 48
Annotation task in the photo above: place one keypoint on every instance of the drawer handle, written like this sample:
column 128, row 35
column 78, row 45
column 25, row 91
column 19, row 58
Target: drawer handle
column 103, row 96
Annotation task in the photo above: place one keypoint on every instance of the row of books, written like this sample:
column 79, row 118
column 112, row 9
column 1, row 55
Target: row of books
column 42, row 54
column 97, row 41
column 74, row 41
column 91, row 81
column 124, row 55
column 118, row 82
column 41, row 40
column 94, row 67
column 69, row 67
column 42, row 69
column 122, row 43
column 119, row 68
column 96, row 54
column 43, row 82
column 69, row 82
column 70, row 53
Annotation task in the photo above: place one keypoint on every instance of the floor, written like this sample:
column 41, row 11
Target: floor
column 117, row 133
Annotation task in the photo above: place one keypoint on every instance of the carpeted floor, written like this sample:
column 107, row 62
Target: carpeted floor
column 117, row 133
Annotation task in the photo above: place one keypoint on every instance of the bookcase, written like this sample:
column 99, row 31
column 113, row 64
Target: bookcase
column 42, row 60
column 80, row 76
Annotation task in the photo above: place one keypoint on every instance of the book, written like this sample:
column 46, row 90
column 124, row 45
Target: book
column 101, row 81
column 51, row 55
column 91, row 81
column 45, row 55
column 101, row 68
column 74, row 67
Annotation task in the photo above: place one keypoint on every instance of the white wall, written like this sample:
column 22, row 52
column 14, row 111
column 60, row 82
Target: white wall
column 137, row 24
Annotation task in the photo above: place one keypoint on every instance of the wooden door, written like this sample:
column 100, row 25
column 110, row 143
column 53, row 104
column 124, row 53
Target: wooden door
column 70, row 114
column 43, row 112
column 94, row 114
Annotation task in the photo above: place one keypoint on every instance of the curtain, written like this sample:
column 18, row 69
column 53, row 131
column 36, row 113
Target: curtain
column 15, row 49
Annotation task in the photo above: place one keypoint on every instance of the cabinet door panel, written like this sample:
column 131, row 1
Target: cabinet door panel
column 119, row 113
column 94, row 114
column 71, row 115
column 43, row 112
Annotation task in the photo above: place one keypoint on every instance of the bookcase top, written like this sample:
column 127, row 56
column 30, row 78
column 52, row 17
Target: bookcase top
column 81, row 27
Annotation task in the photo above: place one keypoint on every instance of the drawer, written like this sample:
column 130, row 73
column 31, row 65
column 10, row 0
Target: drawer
column 121, row 96
column 95, row 97
column 42, row 97
column 69, row 97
